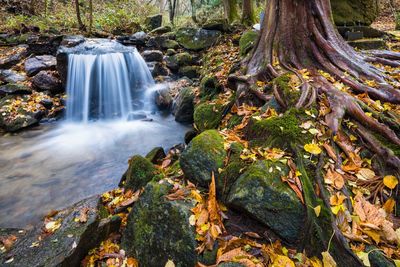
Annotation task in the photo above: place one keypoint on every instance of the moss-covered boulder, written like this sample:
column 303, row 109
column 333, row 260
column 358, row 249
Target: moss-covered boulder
column 191, row 72
column 281, row 131
column 208, row 116
column 139, row 173
column 204, row 155
column 169, row 44
column 196, row 39
column 261, row 193
column 176, row 61
column 354, row 12
column 247, row 42
column 153, row 22
column 158, row 230
column 210, row 87
column 183, row 107
column 156, row 155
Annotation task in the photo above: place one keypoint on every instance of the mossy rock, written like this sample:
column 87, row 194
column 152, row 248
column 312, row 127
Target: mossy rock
column 291, row 95
column 170, row 44
column 158, row 230
column 281, row 131
column 234, row 121
column 247, row 42
column 196, row 39
column 204, row 155
column 208, row 116
column 176, row 61
column 191, row 72
column 139, row 173
column 156, row 155
column 261, row 193
column 210, row 87
column 183, row 107
column 354, row 12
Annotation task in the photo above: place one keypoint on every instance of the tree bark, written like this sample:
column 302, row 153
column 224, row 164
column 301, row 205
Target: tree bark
column 90, row 16
column 230, row 10
column 248, row 18
column 78, row 15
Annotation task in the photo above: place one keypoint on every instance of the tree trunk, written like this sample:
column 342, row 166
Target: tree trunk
column 248, row 13
column 172, row 10
column 90, row 16
column 230, row 10
column 78, row 15
column 193, row 6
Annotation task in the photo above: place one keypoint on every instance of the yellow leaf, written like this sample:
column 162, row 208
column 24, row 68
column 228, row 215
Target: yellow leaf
column 364, row 258
column 282, row 261
column 328, row 260
column 389, row 205
column 315, row 262
column 397, row 263
column 170, row 264
column 317, row 210
column 390, row 181
column 312, row 148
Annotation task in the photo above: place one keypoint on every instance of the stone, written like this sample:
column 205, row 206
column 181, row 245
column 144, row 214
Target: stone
column 164, row 99
column 208, row 116
column 160, row 69
column 139, row 173
column 44, row 44
column 35, row 64
column 210, row 87
column 247, row 42
column 369, row 44
column 196, row 39
column 11, row 76
column 161, row 30
column 183, row 107
column 205, row 154
column 191, row 72
column 15, row 89
column 13, row 56
column 169, row 44
column 189, row 135
column 171, row 52
column 156, row 224
column 153, row 22
column 377, row 258
column 156, row 155
column 176, row 61
column 216, row 25
column 260, row 193
column 354, row 12
column 153, row 55
column 138, row 39
column 72, row 40
column 47, row 81
column 69, row 244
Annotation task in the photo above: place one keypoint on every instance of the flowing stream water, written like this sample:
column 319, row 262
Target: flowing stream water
column 57, row 164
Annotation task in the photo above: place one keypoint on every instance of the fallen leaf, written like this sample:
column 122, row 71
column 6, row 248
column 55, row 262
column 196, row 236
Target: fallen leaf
column 364, row 258
column 390, row 181
column 313, row 149
column 317, row 210
column 328, row 260
column 170, row 263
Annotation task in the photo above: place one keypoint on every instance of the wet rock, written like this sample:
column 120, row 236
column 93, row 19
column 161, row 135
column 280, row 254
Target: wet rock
column 260, row 193
column 247, row 42
column 35, row 64
column 69, row 244
column 137, row 39
column 176, row 61
column 204, row 155
column 11, row 76
column 153, row 55
column 72, row 40
column 183, row 107
column 153, row 22
column 44, row 44
column 157, row 224
column 163, row 99
column 161, row 30
column 139, row 173
column 13, row 56
column 189, row 135
column 160, row 69
column 191, row 72
column 196, row 39
column 210, row 87
column 15, row 89
column 47, row 81
column 47, row 103
column 156, row 155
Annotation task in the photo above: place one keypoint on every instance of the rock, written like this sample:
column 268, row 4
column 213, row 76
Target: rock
column 47, row 103
column 377, row 258
column 13, row 56
column 153, row 22
column 139, row 173
column 35, row 64
column 160, row 70
column 354, row 12
column 69, row 244
column 170, row 52
column 47, row 81
column 15, row 39
column 15, row 89
column 11, row 76
column 210, row 87
column 72, row 40
column 156, row 155
column 156, row 224
column 44, row 44
column 260, row 193
column 153, row 55
column 164, row 99
column 196, row 39
column 204, row 155
column 216, row 25
column 369, row 44
column 176, row 61
column 191, row 72
column 161, row 30
column 189, row 135
column 183, row 107
column 247, row 42
column 138, row 39
column 208, row 116
column 169, row 44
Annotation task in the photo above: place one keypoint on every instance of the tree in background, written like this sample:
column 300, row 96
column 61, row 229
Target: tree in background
column 231, row 10
column 78, row 16
column 248, row 17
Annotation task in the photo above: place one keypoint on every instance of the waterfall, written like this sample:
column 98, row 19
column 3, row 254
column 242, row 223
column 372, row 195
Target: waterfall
column 103, row 84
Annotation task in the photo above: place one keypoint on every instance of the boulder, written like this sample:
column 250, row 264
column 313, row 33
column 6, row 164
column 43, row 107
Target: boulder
column 183, row 107
column 189, row 135
column 153, row 55
column 169, row 44
column 137, row 39
column 176, row 61
column 208, row 116
column 72, row 40
column 164, row 99
column 44, row 44
column 15, row 89
column 354, row 12
column 171, row 52
column 216, row 25
column 247, row 42
column 47, row 81
column 13, row 56
column 156, row 155
column 35, row 64
column 139, row 173
column 158, row 230
column 161, row 30
column 196, row 39
column 11, row 76
column 204, row 155
column 210, row 87
column 260, row 193
column 153, row 22
column 191, row 72
column 69, row 244
column 369, row 44
column 160, row 70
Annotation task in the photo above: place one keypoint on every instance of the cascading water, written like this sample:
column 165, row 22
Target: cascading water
column 105, row 81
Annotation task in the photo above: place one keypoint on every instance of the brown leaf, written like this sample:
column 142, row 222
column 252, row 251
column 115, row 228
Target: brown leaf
column 8, row 241
column 334, row 178
column 83, row 216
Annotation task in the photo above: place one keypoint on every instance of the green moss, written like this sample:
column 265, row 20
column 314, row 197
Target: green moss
column 247, row 42
column 139, row 173
column 234, row 121
column 385, row 142
column 191, row 72
column 210, row 87
column 291, row 95
column 208, row 116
